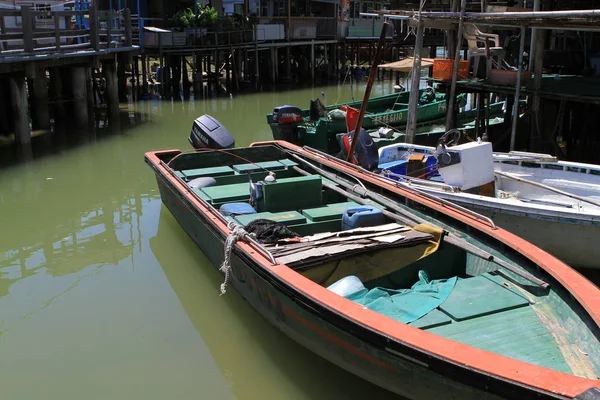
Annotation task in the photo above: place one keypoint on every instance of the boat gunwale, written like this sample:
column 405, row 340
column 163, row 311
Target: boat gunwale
column 483, row 362
column 591, row 217
column 522, row 209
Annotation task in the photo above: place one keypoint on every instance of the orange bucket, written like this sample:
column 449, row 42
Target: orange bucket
column 442, row 69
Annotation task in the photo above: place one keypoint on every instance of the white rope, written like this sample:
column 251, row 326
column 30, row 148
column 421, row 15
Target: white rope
column 237, row 233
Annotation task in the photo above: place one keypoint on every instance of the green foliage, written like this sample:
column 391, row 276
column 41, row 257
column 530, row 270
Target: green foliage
column 206, row 17
column 184, row 18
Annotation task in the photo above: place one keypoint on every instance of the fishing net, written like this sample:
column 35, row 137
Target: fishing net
column 267, row 231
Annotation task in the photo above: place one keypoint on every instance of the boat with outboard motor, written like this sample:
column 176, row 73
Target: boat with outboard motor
column 418, row 296
column 318, row 126
column 554, row 204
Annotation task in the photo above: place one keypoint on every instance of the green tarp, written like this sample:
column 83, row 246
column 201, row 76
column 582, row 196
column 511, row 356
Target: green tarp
column 406, row 305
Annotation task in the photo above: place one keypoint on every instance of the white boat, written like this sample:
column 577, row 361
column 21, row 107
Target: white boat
column 553, row 204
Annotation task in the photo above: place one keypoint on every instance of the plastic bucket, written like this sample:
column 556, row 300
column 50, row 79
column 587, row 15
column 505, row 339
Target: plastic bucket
column 442, row 69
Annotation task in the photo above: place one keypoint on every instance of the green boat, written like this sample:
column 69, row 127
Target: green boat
column 429, row 132
column 409, row 292
column 319, row 129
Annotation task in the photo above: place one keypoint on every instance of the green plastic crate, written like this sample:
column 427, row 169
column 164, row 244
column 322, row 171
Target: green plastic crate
column 292, row 194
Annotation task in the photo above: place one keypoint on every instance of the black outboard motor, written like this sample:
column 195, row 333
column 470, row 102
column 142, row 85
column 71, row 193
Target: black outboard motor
column 286, row 120
column 207, row 132
column 366, row 154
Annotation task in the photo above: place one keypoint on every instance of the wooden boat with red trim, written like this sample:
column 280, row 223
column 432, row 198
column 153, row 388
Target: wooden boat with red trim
column 416, row 295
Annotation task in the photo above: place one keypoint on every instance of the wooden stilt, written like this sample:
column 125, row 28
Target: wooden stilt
column 144, row 75
column 112, row 95
column 312, row 61
column 20, row 108
column 38, row 88
column 185, row 81
column 78, row 96
column 56, row 94
column 228, row 66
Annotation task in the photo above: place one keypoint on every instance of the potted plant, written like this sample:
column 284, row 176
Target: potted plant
column 182, row 19
column 206, row 17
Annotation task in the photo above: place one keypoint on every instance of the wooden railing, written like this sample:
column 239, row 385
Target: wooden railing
column 439, row 5
column 30, row 31
column 305, row 27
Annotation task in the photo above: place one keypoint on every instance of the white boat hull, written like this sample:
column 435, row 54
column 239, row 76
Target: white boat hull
column 577, row 243
column 552, row 204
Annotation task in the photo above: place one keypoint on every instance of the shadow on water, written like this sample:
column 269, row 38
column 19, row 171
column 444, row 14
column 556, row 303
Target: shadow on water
column 255, row 357
column 89, row 309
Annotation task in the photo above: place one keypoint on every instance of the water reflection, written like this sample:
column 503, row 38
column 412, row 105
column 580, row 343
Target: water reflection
column 256, row 358
column 103, row 295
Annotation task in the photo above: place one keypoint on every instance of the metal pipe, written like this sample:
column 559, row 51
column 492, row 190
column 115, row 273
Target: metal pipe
column 413, row 100
column 499, row 15
column 515, row 113
column 532, row 47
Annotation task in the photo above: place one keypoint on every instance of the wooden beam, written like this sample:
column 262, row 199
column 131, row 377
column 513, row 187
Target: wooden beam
column 413, row 100
column 94, row 36
column 128, row 36
column 27, row 27
column 450, row 112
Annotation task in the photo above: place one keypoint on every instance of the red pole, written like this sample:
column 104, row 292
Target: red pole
column 370, row 82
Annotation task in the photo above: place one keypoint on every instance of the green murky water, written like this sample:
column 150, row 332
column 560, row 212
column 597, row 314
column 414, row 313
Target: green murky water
column 103, row 296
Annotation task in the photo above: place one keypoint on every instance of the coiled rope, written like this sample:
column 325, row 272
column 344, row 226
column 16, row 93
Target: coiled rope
column 237, row 234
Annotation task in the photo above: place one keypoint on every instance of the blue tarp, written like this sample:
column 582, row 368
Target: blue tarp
column 406, row 305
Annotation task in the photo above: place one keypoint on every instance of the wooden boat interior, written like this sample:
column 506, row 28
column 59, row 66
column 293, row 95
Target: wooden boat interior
column 488, row 307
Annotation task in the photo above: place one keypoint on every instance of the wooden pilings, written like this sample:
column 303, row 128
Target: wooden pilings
column 7, row 120
column 109, row 71
column 78, row 97
column 20, row 109
column 40, row 112
column 56, row 94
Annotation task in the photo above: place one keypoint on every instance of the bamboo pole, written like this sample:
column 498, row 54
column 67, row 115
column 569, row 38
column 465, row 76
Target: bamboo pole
column 365, row 102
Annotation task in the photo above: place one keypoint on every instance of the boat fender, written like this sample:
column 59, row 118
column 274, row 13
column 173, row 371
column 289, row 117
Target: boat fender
column 386, row 133
column 337, row 114
column 270, row 178
column 202, row 182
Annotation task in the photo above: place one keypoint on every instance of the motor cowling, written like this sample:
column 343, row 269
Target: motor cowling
column 365, row 154
column 209, row 133
column 286, row 122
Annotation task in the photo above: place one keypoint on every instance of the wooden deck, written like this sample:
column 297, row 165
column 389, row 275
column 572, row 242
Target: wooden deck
column 50, row 38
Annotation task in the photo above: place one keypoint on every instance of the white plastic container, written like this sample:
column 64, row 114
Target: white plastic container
column 476, row 166
column 346, row 286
